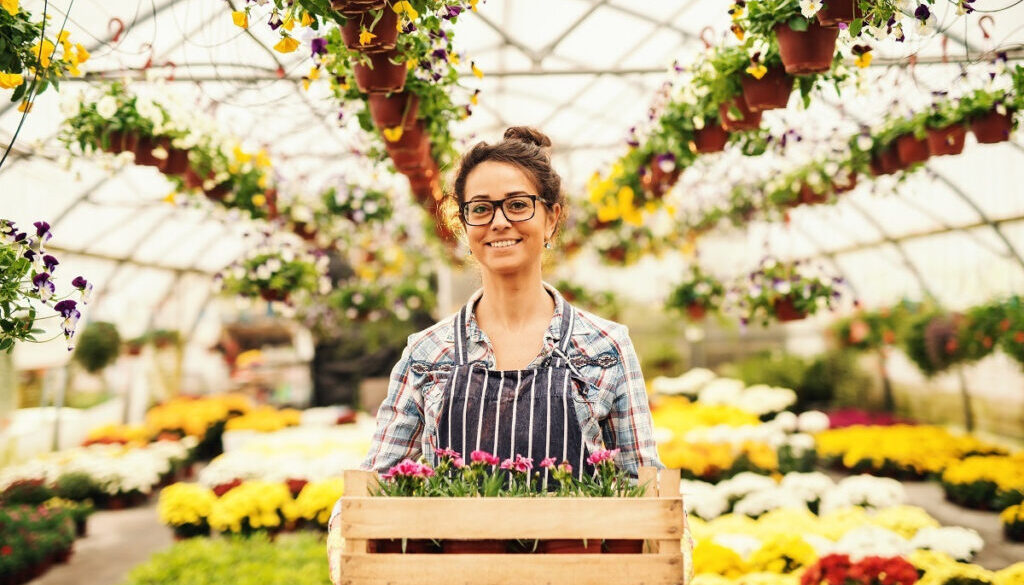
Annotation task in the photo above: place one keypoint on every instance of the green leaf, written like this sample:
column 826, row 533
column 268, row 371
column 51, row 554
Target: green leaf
column 798, row 23
column 856, row 26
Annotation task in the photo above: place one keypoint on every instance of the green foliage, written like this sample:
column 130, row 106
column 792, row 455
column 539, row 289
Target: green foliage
column 697, row 289
column 33, row 535
column 868, row 330
column 292, row 558
column 816, row 380
column 98, row 346
column 773, row 368
column 31, row 492
column 77, row 486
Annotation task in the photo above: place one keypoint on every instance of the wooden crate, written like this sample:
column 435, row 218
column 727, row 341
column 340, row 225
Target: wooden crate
column 656, row 519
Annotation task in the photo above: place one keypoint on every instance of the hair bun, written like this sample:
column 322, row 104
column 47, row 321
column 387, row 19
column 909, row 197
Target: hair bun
column 528, row 135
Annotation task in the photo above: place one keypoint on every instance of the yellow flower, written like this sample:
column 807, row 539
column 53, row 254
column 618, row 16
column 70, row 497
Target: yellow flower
column 307, row 20
column 314, row 73
column 25, row 107
column 82, row 52
column 240, row 155
column 63, row 40
column 317, row 498
column 366, row 36
column 393, row 134
column 476, row 71
column 473, row 3
column 407, row 8
column 11, row 6
column 863, row 60
column 737, row 12
column 10, row 80
column 608, row 213
column 453, row 58
column 412, row 63
column 737, row 31
column 185, row 503
column 1012, row 575
column 263, row 159
column 45, row 53
column 709, row 557
column 240, row 18
column 757, row 70
column 289, row 23
column 259, row 200
column 286, row 45
column 475, row 99
column 169, row 198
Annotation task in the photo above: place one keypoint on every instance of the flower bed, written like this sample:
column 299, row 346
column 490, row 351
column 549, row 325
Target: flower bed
column 986, row 482
column 32, row 539
column 901, row 451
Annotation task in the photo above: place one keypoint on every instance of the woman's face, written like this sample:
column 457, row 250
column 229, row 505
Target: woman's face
column 503, row 246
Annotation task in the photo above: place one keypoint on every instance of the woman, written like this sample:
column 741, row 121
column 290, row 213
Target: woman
column 518, row 370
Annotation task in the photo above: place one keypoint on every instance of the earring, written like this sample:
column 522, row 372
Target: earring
column 547, row 245
column 470, row 252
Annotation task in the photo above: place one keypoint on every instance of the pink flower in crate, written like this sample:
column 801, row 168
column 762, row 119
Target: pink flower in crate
column 601, row 456
column 451, row 453
column 565, row 467
column 523, row 464
column 458, row 463
column 507, row 464
column 483, row 457
column 548, row 462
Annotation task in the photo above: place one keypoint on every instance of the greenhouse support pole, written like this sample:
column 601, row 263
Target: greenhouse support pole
column 58, row 404
column 966, row 396
column 888, row 398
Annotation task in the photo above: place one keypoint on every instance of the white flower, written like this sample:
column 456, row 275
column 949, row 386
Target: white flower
column 107, row 107
column 745, row 483
column 864, row 490
column 809, row 486
column 869, row 540
column 721, row 391
column 785, row 421
column 742, row 544
column 809, row 7
column 958, row 542
column 703, row 499
column 263, row 272
column 273, row 264
column 758, row 503
column 812, row 421
column 800, row 443
column 689, row 383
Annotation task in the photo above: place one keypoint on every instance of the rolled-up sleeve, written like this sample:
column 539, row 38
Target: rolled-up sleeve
column 630, row 427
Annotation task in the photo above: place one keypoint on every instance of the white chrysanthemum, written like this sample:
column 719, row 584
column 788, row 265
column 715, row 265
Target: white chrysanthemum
column 742, row 544
column 869, row 540
column 958, row 542
column 745, row 483
column 758, row 503
column 800, row 443
column 808, row 486
column 812, row 421
column 721, row 391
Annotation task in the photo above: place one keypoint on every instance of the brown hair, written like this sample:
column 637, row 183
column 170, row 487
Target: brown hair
column 526, row 148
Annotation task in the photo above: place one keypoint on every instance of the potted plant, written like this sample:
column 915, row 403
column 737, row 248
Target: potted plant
column 721, row 77
column 372, row 31
column 766, row 85
column 358, row 204
column 98, row 346
column 805, row 46
column 697, row 294
column 30, row 60
column 163, row 338
column 933, row 341
column 990, row 114
column 1012, row 328
column 274, row 274
column 786, row 291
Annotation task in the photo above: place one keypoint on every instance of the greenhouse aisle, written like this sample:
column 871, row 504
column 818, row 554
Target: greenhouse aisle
column 116, row 542
column 120, row 540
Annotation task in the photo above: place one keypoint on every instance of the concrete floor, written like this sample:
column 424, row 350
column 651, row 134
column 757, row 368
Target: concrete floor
column 117, row 541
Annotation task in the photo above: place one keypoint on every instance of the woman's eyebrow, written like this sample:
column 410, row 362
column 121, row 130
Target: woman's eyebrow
column 507, row 195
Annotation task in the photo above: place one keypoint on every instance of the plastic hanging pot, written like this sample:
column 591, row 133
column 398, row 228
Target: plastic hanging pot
column 695, row 312
column 355, row 7
column 993, row 127
column 381, row 75
column 808, row 196
column 948, row 140
column 806, row 52
column 785, row 311
column 386, row 31
column 835, row 12
column 144, row 146
column 710, row 138
column 744, row 120
column 771, row 92
column 176, row 162
column 912, row 149
column 389, row 111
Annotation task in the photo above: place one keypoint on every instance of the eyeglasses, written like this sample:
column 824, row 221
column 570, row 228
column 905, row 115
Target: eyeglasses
column 516, row 208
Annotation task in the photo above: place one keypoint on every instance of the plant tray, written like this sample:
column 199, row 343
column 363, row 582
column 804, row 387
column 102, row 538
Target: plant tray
column 658, row 520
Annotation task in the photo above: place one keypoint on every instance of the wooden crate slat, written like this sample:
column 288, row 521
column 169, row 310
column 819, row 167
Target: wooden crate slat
column 506, row 518
column 396, row 569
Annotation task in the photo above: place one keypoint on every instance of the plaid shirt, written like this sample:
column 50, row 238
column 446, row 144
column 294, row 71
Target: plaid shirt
column 615, row 415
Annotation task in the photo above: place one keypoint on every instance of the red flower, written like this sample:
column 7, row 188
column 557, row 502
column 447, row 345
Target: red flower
column 5, row 550
column 831, row 569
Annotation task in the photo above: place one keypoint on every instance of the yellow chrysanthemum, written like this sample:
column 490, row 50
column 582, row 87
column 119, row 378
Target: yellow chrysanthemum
column 757, row 70
column 472, row 4
column 286, row 45
column 185, row 503
column 365, row 37
column 11, row 6
column 240, row 18
column 10, row 80
column 1012, row 575
column 316, row 500
column 709, row 557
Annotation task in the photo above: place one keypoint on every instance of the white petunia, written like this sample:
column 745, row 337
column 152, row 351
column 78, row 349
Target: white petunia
column 107, row 107
column 810, row 7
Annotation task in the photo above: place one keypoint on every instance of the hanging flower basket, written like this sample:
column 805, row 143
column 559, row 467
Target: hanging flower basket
column 355, row 7
column 785, row 311
column 992, row 127
column 696, row 312
column 768, row 93
column 412, row 160
column 911, row 149
column 661, row 174
column 390, row 111
column 381, row 75
column 219, row 192
column 710, row 138
column 746, row 120
column 948, row 140
column 176, row 162
column 144, row 146
column 269, row 294
column 835, row 12
column 808, row 196
column 411, row 139
column 304, row 230
column 193, row 180
column 120, row 142
column 806, row 52
column 849, row 184
column 385, row 31
column 885, row 162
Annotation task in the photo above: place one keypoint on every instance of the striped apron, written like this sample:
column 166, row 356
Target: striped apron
column 514, row 412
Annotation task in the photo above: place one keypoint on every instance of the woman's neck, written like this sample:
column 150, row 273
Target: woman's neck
column 514, row 301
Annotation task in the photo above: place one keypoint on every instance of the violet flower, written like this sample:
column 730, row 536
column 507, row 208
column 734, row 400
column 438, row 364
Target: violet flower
column 318, row 46
column 50, row 262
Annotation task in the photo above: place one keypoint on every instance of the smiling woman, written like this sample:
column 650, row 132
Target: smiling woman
column 518, row 372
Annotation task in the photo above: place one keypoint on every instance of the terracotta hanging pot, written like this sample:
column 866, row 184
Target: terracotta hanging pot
column 219, row 192
column 386, row 31
column 835, row 12
column 745, row 120
column 176, row 162
column 785, row 311
column 710, row 138
column 411, row 139
column 117, row 140
column 768, row 93
column 269, row 294
column 192, row 178
column 619, row 546
column 144, row 146
column 355, row 7
column 911, row 149
column 381, row 75
column 808, row 196
column 478, row 547
column 806, row 52
column 696, row 312
column 993, row 127
column 658, row 181
column 849, row 185
column 569, row 546
column 885, row 162
column 411, row 160
column 389, row 111
column 948, row 140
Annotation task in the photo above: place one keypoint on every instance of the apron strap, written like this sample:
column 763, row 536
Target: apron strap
column 461, row 342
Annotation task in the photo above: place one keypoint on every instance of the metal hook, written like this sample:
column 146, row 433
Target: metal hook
column 981, row 25
column 707, row 35
column 116, row 26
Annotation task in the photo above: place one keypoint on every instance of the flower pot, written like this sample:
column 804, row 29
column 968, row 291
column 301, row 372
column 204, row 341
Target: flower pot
column 885, row 162
column 473, row 547
column 696, row 312
column 746, row 120
column 184, row 531
column 81, row 527
column 411, row 139
column 295, row 485
column 381, row 75
column 389, row 111
column 835, row 12
column 658, row 181
column 219, row 192
column 620, row 546
column 807, row 196
column 806, row 52
column 304, row 230
column 911, row 149
column 273, row 295
column 710, row 138
column 118, row 142
column 353, row 7
column 785, row 311
column 948, row 140
column 176, row 162
column 144, row 146
column 117, row 502
column 570, row 546
column 192, row 179
column 848, row 185
column 411, row 161
column 768, row 93
column 394, row 546
column 386, row 32
column 993, row 127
